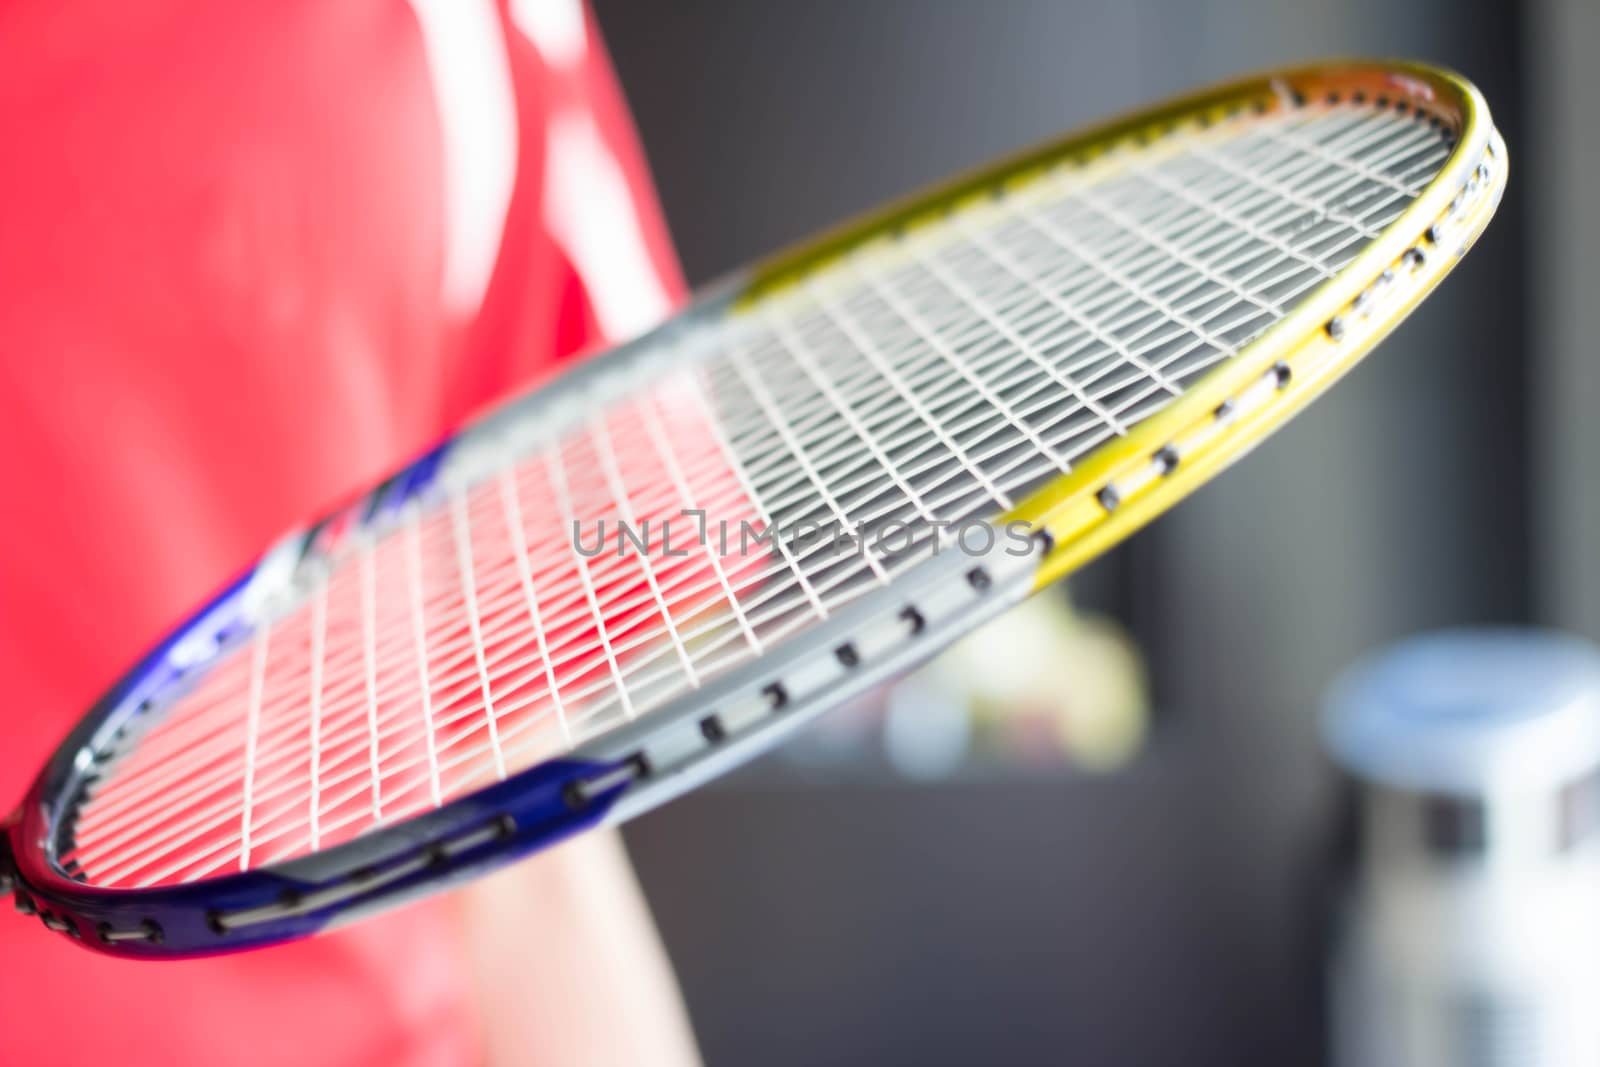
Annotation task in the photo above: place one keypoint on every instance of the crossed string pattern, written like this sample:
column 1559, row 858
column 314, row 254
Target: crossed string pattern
column 915, row 384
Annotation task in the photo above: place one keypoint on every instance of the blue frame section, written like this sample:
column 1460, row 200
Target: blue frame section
column 466, row 837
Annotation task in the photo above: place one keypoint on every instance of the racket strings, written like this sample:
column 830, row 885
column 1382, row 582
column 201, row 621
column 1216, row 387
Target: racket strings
column 914, row 385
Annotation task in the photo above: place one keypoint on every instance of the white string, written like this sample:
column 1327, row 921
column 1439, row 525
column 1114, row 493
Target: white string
column 319, row 632
column 664, row 448
column 558, row 479
column 780, row 422
column 619, row 494
column 258, row 668
column 369, row 627
column 513, row 507
column 420, row 632
column 469, row 596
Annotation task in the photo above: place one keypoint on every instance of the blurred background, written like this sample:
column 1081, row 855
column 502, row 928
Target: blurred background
column 1119, row 860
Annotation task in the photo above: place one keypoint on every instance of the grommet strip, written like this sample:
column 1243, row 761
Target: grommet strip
column 1367, row 304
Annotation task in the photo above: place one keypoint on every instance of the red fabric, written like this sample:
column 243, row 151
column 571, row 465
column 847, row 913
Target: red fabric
column 223, row 241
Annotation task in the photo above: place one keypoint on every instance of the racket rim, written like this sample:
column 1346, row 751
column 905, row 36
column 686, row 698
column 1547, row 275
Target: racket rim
column 1049, row 509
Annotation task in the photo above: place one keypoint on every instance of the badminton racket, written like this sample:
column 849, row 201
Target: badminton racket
column 607, row 591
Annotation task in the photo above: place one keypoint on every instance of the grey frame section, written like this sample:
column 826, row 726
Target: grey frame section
column 887, row 631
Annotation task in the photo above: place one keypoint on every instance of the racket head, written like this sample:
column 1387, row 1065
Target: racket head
column 735, row 714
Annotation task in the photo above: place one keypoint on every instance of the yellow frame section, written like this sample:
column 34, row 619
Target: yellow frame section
column 1405, row 261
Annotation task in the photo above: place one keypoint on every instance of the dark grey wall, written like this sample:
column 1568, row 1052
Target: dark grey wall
column 1158, row 916
column 1563, row 276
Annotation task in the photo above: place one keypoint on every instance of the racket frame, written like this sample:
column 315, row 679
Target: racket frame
column 693, row 738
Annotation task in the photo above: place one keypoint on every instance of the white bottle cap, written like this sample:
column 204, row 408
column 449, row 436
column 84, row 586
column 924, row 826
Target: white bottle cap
column 1469, row 713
